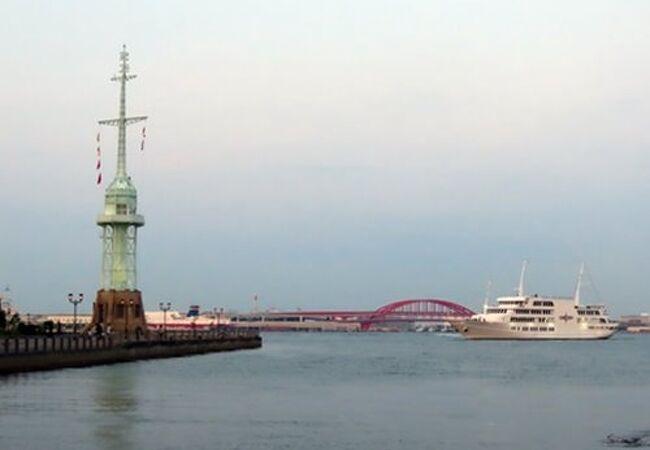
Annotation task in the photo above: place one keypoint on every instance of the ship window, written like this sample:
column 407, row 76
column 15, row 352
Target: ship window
column 120, row 208
column 548, row 303
column 542, row 328
column 524, row 328
column 522, row 319
column 547, row 311
column 533, row 328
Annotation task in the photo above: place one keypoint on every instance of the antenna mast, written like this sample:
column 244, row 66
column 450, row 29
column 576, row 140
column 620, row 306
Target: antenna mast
column 122, row 121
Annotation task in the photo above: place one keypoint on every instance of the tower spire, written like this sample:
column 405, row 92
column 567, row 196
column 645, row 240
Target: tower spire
column 119, row 302
column 122, row 121
column 120, row 217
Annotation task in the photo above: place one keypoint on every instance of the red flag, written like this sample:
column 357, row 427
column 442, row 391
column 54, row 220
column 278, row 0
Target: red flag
column 144, row 135
column 99, row 178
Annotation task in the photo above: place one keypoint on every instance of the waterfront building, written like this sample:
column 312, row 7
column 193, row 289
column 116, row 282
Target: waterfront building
column 638, row 323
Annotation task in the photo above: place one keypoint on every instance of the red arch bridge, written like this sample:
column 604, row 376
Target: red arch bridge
column 399, row 314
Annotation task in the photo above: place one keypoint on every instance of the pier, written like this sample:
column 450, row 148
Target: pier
column 37, row 353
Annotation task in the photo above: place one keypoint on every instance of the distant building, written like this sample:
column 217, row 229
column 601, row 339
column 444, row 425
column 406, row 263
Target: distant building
column 639, row 323
column 636, row 320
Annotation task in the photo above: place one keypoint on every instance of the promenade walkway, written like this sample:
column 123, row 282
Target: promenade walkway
column 31, row 353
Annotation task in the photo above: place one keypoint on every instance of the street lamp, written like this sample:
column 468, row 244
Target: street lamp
column 164, row 307
column 75, row 301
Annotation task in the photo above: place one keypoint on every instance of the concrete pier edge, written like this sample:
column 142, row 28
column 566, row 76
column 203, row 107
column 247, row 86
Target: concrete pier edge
column 132, row 351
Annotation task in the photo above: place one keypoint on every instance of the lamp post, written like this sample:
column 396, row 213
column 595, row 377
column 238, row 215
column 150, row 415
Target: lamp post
column 164, row 307
column 75, row 301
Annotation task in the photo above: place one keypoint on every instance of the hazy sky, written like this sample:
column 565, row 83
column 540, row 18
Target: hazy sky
column 332, row 154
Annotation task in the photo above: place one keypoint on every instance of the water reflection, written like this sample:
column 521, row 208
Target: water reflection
column 344, row 391
column 115, row 403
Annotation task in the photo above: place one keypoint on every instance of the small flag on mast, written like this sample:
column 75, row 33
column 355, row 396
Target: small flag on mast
column 98, row 165
column 144, row 135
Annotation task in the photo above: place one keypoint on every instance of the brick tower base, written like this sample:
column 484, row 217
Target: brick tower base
column 119, row 312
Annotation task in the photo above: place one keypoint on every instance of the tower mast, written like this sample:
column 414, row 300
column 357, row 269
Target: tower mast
column 122, row 121
column 119, row 302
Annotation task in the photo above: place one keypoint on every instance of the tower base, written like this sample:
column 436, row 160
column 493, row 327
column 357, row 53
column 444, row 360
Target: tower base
column 119, row 312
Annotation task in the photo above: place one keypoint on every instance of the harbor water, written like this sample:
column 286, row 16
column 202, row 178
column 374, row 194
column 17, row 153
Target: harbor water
column 342, row 391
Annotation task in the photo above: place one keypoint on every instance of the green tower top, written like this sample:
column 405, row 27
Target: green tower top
column 120, row 218
column 121, row 194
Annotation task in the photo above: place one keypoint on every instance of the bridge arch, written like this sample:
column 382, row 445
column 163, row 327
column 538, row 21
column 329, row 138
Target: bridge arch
column 417, row 309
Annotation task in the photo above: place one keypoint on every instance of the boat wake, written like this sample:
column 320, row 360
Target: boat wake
column 632, row 440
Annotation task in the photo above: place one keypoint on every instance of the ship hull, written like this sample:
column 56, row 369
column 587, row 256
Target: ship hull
column 475, row 330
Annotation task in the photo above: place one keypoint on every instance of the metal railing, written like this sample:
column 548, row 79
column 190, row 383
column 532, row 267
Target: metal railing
column 20, row 345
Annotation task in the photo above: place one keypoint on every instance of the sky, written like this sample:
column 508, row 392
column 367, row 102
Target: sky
column 331, row 154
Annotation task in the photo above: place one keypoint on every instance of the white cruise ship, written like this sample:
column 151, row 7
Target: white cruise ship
column 536, row 317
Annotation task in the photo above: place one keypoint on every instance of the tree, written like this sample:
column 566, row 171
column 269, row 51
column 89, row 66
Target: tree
column 13, row 324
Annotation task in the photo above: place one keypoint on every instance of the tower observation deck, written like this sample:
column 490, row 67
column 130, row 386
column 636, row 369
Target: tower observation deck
column 119, row 302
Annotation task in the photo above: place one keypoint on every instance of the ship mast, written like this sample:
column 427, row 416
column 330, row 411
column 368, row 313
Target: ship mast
column 522, row 277
column 576, row 297
column 487, row 296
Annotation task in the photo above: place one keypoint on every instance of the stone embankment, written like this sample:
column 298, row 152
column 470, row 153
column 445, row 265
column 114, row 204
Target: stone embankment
column 35, row 353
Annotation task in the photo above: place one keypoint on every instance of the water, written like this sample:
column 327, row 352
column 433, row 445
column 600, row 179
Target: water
column 342, row 391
